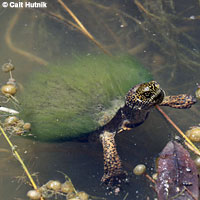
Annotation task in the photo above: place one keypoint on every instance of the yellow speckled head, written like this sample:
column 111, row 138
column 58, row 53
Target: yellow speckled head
column 144, row 95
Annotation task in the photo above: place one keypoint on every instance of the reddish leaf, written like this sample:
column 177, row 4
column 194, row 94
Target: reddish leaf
column 177, row 174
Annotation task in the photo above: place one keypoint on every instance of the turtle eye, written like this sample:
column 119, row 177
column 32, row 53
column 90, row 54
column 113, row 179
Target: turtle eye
column 147, row 94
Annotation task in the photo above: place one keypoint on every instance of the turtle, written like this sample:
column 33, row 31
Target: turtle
column 138, row 102
column 86, row 98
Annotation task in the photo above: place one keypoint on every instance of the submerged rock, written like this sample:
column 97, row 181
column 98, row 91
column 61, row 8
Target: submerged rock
column 71, row 99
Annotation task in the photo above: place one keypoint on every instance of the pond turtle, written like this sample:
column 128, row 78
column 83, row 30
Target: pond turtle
column 76, row 98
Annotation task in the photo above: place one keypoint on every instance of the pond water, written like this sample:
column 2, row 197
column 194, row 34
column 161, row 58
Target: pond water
column 162, row 35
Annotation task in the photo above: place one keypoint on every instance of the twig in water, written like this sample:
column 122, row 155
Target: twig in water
column 83, row 29
column 13, row 147
column 125, row 197
column 179, row 130
column 8, row 110
column 14, row 48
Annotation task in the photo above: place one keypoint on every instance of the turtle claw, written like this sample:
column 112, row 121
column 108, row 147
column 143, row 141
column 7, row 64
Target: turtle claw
column 124, row 129
column 124, row 126
column 114, row 179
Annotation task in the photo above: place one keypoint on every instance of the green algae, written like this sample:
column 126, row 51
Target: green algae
column 64, row 101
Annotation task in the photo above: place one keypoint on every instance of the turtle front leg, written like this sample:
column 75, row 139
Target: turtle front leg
column 113, row 172
column 179, row 101
column 125, row 126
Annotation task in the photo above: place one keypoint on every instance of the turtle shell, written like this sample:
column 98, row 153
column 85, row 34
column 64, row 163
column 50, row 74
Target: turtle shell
column 75, row 97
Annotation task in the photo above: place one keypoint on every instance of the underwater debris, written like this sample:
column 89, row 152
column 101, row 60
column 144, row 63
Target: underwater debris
column 8, row 110
column 8, row 89
column 197, row 161
column 18, row 157
column 82, row 195
column 176, row 177
column 12, row 124
column 67, row 187
column 197, row 93
column 15, row 49
column 54, row 188
column 27, row 126
column 54, row 185
column 188, row 142
column 15, row 126
column 34, row 194
column 82, row 28
column 155, row 176
column 177, row 174
column 7, row 67
column 193, row 133
column 10, row 120
column 139, row 169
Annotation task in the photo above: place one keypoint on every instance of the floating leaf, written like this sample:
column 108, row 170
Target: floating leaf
column 177, row 174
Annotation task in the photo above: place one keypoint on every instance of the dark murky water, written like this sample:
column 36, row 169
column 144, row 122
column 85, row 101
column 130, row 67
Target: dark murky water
column 114, row 25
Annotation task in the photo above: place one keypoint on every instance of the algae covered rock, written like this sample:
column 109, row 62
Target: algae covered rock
column 74, row 98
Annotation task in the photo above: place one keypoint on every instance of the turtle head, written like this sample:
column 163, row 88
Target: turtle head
column 144, row 96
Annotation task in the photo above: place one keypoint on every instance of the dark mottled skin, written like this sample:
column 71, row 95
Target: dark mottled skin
column 177, row 174
column 138, row 103
column 178, row 101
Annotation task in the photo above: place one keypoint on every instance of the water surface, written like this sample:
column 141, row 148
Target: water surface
column 117, row 29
